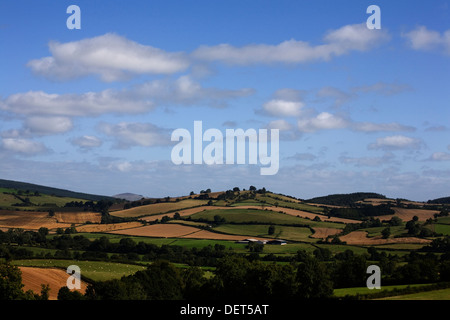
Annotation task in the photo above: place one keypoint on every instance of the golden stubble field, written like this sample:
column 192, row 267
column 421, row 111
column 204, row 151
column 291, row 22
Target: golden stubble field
column 32, row 278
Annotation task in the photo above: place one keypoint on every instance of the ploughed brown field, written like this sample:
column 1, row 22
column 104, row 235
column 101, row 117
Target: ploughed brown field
column 32, row 278
column 78, row 217
column 360, row 238
column 322, row 233
column 108, row 227
column 29, row 220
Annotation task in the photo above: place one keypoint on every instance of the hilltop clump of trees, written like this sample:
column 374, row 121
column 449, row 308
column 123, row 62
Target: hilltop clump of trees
column 345, row 199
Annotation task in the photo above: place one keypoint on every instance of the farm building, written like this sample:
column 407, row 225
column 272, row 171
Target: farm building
column 252, row 240
column 277, row 241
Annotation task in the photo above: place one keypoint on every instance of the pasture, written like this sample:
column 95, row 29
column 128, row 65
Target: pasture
column 90, row 270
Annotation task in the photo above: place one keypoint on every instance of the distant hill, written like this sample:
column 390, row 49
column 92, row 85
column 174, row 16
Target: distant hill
column 345, row 199
column 51, row 191
column 444, row 200
column 129, row 196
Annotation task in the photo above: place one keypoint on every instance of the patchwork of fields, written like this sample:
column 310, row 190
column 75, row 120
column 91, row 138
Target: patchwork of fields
column 199, row 223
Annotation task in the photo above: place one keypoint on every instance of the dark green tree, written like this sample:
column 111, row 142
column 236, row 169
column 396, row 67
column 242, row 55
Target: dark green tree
column 313, row 280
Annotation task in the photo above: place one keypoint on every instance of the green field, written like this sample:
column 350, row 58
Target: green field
column 376, row 231
column 91, row 270
column 189, row 243
column 444, row 220
column 364, row 290
column 273, row 200
column 281, row 232
column 41, row 202
column 260, row 216
column 440, row 228
column 443, row 294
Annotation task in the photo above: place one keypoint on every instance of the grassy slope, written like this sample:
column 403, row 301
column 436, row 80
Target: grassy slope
column 94, row 270
column 261, row 216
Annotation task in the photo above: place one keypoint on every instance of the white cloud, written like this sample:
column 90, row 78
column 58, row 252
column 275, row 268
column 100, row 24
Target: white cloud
column 440, row 156
column 48, row 125
column 186, row 91
column 87, row 142
column 281, row 125
column 23, row 146
column 396, row 142
column 136, row 134
column 91, row 103
column 303, row 157
column 138, row 99
column 283, row 108
column 386, row 89
column 322, row 121
column 423, row 39
column 378, row 127
column 110, row 56
column 349, row 38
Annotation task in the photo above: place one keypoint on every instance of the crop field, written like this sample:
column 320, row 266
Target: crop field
column 408, row 214
column 91, row 270
column 32, row 278
column 323, row 233
column 29, row 220
column 108, row 227
column 78, row 217
column 157, row 208
column 360, row 238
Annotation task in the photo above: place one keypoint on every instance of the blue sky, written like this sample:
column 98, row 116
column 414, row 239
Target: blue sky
column 93, row 109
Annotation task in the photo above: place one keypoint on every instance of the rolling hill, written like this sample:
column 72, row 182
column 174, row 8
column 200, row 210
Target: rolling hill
column 52, row 191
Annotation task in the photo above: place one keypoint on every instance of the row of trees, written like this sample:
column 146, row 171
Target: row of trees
column 240, row 278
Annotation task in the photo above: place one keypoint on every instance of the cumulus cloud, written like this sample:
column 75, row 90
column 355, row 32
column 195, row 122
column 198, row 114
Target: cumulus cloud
column 23, row 146
column 40, row 103
column 396, row 142
column 338, row 42
column 422, row 38
column 138, row 99
column 128, row 134
column 440, row 156
column 378, row 127
column 186, row 91
column 110, row 56
column 87, row 142
column 283, row 108
column 284, row 103
column 48, row 125
column 303, row 157
column 323, row 121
